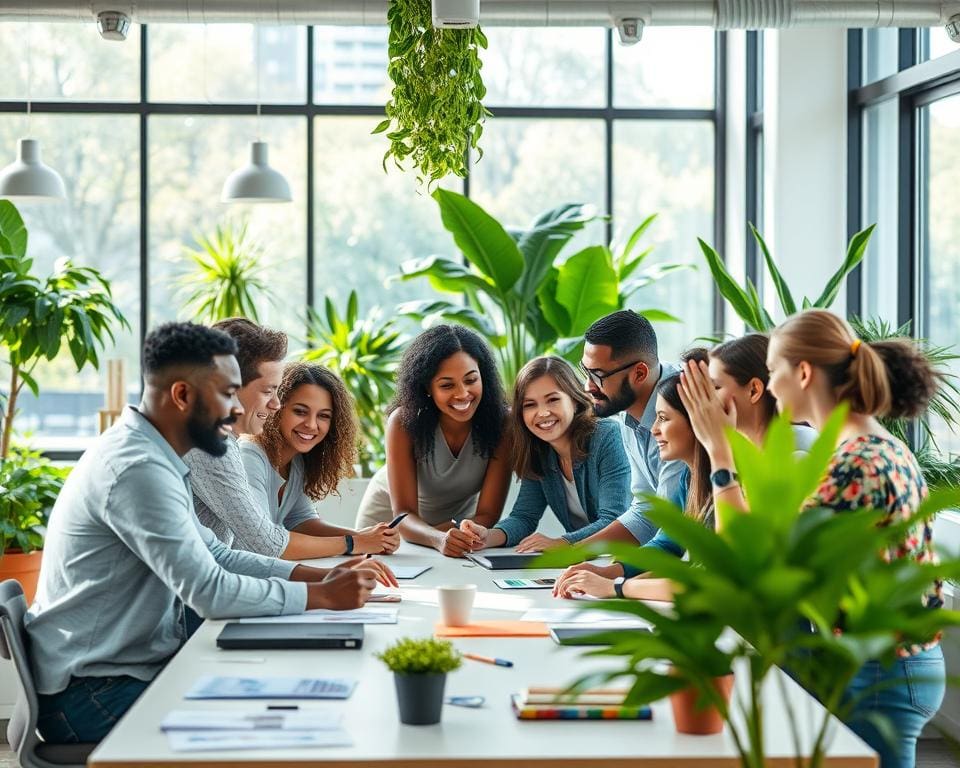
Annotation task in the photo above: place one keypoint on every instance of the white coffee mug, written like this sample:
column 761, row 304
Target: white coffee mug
column 455, row 603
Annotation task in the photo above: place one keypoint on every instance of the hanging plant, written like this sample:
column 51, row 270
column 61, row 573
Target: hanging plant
column 435, row 110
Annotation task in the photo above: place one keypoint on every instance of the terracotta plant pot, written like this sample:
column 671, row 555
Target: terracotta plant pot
column 24, row 568
column 688, row 719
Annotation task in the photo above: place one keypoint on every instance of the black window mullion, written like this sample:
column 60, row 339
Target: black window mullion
column 719, row 163
column 854, row 163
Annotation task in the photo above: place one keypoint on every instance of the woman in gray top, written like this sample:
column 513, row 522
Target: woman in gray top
column 221, row 495
column 303, row 452
column 446, row 453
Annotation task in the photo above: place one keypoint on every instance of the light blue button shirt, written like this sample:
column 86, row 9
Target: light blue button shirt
column 647, row 473
column 122, row 545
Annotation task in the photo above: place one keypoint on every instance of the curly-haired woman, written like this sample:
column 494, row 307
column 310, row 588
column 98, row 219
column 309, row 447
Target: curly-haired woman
column 446, row 454
column 304, row 450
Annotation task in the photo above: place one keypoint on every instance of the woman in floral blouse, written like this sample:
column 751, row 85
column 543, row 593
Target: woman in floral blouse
column 816, row 362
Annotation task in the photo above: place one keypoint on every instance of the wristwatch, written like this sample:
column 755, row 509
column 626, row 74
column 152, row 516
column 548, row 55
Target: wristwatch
column 723, row 477
column 618, row 585
column 349, row 539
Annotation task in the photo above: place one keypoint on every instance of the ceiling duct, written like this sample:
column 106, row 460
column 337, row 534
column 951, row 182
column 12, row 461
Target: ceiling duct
column 719, row 14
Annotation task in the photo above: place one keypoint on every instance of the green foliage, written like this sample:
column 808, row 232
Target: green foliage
column 29, row 485
column 520, row 292
column 365, row 354
column 225, row 274
column 410, row 656
column 435, row 111
column 73, row 305
column 745, row 301
column 764, row 574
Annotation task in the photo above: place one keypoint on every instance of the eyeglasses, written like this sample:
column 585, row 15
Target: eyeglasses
column 598, row 377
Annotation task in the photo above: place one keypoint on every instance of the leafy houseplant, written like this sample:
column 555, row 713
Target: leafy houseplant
column 520, row 293
column 937, row 471
column 365, row 354
column 73, row 305
column 435, row 111
column 420, row 670
column 763, row 574
column 225, row 274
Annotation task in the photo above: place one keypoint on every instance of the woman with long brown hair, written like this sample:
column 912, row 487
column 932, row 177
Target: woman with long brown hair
column 304, row 450
column 565, row 458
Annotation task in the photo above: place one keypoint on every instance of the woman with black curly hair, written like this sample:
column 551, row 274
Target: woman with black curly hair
column 304, row 450
column 446, row 453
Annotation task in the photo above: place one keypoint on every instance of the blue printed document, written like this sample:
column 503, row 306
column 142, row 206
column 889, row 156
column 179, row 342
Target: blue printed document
column 210, row 687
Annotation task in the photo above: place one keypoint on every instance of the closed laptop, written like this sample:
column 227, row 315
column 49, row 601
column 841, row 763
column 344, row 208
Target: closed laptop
column 242, row 636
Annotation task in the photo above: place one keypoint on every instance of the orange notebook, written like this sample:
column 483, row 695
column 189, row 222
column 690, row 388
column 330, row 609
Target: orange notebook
column 495, row 628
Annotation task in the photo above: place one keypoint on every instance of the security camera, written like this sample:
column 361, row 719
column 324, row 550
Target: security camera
column 630, row 31
column 113, row 25
column 455, row 14
column 953, row 28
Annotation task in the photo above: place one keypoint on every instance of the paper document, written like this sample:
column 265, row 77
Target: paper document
column 195, row 741
column 576, row 616
column 261, row 719
column 372, row 615
column 210, row 687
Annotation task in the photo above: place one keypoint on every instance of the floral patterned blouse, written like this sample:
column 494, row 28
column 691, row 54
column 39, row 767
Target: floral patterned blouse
column 874, row 472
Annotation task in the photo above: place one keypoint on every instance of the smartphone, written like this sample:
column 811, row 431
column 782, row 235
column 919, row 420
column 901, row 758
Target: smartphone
column 397, row 520
column 384, row 597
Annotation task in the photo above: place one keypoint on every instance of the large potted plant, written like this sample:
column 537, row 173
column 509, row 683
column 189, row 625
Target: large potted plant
column 520, row 291
column 365, row 353
column 762, row 575
column 420, row 670
column 74, row 307
column 938, row 471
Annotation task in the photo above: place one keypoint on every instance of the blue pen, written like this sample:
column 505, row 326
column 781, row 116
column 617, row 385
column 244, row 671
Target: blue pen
column 488, row 659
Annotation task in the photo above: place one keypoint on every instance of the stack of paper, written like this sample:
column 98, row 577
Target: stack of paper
column 369, row 615
column 210, row 687
column 195, row 730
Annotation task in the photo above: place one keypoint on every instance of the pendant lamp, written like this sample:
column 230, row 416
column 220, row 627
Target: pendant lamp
column 27, row 178
column 256, row 182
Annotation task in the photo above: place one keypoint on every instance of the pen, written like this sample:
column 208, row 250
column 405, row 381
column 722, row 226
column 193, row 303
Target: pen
column 488, row 659
column 282, row 706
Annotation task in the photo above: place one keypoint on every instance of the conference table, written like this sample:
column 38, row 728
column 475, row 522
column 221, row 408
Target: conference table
column 487, row 737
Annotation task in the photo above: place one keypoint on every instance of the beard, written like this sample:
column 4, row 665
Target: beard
column 622, row 399
column 205, row 433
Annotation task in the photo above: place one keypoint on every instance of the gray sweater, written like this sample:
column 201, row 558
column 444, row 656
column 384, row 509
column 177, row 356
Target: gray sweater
column 122, row 545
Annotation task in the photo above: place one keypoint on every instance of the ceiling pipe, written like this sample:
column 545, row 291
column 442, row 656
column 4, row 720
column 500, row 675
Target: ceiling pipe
column 719, row 14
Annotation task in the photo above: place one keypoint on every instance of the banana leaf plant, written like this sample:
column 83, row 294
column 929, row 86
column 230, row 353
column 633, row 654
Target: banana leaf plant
column 763, row 574
column 745, row 301
column 365, row 353
column 517, row 288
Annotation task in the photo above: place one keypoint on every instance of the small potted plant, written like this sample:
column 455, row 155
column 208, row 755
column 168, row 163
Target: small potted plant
column 420, row 673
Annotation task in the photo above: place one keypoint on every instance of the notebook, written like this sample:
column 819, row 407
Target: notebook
column 237, row 636
column 494, row 628
column 507, row 561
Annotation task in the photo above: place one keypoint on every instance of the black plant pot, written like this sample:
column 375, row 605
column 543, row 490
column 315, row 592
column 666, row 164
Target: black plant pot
column 420, row 697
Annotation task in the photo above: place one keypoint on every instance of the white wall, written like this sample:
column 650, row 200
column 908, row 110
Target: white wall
column 805, row 133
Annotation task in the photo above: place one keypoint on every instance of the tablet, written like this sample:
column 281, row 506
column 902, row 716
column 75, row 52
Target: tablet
column 593, row 635
column 505, row 561
column 525, row 583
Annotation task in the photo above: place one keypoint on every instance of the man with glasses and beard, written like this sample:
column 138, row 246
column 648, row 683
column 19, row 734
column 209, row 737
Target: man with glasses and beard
column 622, row 369
column 124, row 549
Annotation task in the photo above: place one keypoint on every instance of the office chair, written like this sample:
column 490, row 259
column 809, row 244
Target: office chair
column 31, row 751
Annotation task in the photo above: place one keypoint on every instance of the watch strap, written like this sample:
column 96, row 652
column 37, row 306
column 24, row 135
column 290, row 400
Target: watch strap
column 618, row 586
column 349, row 540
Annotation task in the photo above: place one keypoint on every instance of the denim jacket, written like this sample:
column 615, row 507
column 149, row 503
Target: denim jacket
column 602, row 478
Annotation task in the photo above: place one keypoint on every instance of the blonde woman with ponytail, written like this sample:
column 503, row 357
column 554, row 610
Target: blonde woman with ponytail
column 816, row 362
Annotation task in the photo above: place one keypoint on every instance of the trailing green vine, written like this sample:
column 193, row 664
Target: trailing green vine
column 435, row 109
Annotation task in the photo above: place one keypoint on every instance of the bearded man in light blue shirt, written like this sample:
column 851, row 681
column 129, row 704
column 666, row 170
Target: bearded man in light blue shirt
column 622, row 366
column 125, row 551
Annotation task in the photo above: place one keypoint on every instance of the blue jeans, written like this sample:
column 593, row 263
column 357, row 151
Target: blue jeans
column 908, row 693
column 87, row 708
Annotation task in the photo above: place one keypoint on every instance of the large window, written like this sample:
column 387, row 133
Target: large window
column 145, row 132
column 907, row 128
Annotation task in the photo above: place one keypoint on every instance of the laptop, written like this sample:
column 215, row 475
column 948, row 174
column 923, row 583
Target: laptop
column 242, row 636
column 505, row 562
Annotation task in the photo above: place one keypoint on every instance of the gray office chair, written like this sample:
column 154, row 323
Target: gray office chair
column 22, row 730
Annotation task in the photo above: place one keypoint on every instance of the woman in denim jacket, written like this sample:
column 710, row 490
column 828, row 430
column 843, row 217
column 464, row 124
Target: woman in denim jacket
column 566, row 459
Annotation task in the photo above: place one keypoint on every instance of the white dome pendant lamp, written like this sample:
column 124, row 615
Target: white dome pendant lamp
column 256, row 182
column 27, row 178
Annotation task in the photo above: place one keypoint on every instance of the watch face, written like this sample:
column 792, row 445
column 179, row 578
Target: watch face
column 721, row 478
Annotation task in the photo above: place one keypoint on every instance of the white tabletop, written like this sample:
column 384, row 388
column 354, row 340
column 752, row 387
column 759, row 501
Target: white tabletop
column 490, row 737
